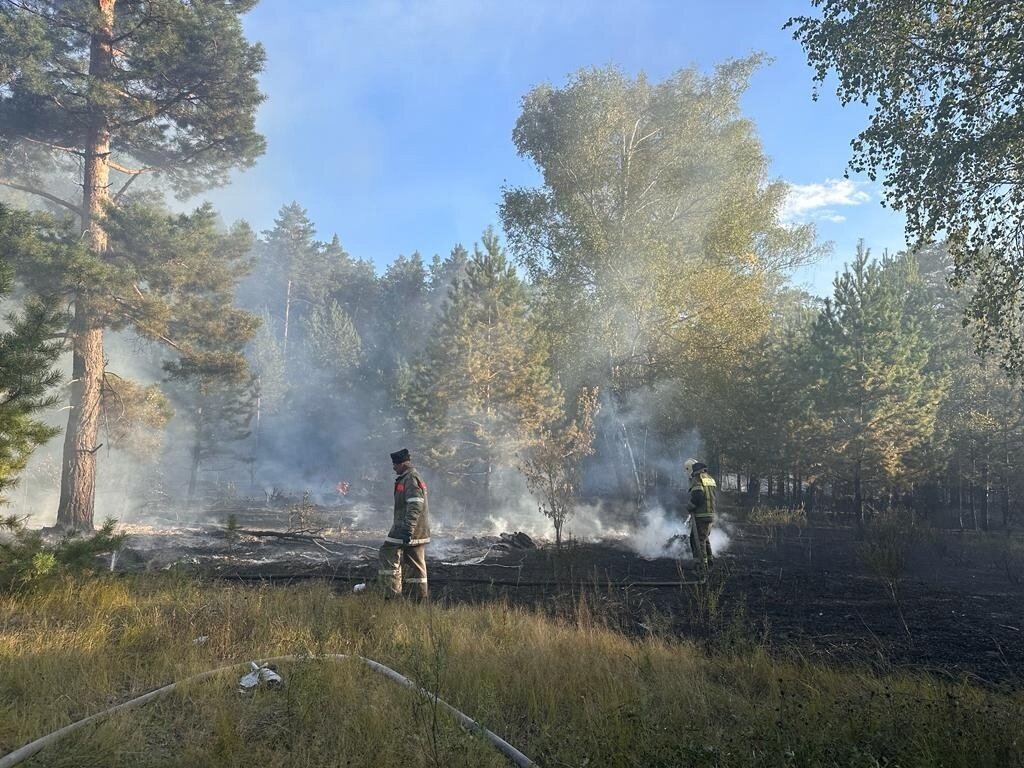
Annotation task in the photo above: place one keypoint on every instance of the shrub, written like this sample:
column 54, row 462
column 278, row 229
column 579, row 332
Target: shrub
column 26, row 559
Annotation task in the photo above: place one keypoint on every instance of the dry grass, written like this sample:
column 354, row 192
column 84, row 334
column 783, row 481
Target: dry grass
column 565, row 693
column 777, row 516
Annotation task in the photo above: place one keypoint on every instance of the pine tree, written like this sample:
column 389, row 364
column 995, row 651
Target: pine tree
column 219, row 393
column 354, row 287
column 222, row 416
column 28, row 352
column 874, row 391
column 974, row 458
column 483, row 392
column 98, row 94
column 292, row 276
column 334, row 344
column 444, row 273
column 266, row 360
column 405, row 315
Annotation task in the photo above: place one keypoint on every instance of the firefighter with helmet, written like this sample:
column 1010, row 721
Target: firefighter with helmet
column 406, row 542
column 701, row 507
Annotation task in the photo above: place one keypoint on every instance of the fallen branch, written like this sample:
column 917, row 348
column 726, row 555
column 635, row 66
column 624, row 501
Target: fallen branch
column 290, row 536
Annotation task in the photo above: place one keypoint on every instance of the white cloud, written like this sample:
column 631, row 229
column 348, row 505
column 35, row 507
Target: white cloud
column 817, row 202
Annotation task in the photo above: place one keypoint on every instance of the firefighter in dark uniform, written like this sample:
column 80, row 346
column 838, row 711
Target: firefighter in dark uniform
column 406, row 542
column 701, row 506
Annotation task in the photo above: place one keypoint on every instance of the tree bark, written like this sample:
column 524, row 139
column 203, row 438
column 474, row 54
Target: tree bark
column 858, row 498
column 197, row 457
column 193, row 474
column 753, row 489
column 960, row 495
column 78, row 479
column 971, row 494
column 287, row 317
column 985, row 496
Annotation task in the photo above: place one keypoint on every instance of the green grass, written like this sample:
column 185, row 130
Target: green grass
column 566, row 693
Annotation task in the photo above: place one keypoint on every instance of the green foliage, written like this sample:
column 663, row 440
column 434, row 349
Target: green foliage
column 551, row 464
column 873, row 392
column 333, row 340
column 946, row 85
column 655, row 229
column 293, row 276
column 135, row 416
column 97, row 96
column 482, row 391
column 27, row 560
column 266, row 359
column 29, row 348
column 179, row 99
column 888, row 540
column 654, row 244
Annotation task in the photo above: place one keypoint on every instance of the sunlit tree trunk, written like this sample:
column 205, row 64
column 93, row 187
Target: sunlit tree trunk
column 78, row 478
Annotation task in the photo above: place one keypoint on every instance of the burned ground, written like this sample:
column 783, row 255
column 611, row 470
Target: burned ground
column 958, row 609
column 952, row 604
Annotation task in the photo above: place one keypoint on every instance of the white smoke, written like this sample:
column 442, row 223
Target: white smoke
column 663, row 535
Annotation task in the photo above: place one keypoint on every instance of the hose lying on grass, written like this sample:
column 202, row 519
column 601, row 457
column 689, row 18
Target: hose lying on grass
column 513, row 754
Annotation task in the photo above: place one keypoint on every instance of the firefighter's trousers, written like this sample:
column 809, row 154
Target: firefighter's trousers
column 700, row 540
column 392, row 559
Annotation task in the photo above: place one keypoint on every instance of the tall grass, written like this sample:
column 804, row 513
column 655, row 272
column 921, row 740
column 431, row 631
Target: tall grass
column 566, row 693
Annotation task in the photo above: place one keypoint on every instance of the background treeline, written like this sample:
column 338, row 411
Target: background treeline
column 643, row 311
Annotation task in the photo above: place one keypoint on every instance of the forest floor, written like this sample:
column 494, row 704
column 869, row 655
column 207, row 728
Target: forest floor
column 951, row 603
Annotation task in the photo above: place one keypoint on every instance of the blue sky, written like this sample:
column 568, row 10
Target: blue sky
column 391, row 120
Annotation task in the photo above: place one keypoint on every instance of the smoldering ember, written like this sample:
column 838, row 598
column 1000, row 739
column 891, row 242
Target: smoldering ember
column 467, row 384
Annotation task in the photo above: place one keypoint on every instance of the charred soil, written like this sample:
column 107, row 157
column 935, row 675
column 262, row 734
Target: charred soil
column 951, row 604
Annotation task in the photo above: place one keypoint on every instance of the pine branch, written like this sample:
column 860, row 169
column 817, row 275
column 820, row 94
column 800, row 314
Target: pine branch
column 43, row 194
column 51, row 145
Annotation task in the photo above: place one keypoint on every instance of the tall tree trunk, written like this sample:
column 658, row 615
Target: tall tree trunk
column 638, row 489
column 858, row 498
column 197, row 457
column 193, row 474
column 985, row 496
column 287, row 316
column 1005, row 504
column 487, row 483
column 970, row 493
column 753, row 489
column 78, row 478
column 960, row 495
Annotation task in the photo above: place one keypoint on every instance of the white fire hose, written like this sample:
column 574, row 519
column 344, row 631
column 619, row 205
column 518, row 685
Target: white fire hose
column 513, row 754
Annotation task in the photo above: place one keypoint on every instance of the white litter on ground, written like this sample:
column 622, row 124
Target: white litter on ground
column 259, row 674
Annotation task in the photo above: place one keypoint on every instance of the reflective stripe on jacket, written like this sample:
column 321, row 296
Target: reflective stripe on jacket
column 410, row 524
column 702, row 497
